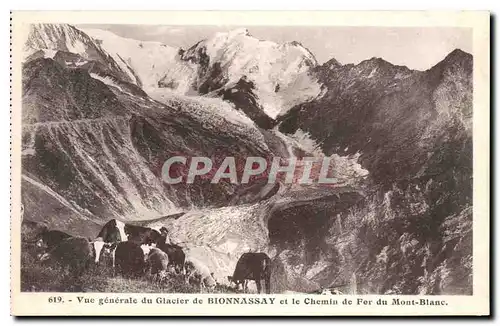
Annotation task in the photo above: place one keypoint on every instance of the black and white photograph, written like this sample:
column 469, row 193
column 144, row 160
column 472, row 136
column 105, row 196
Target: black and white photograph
column 324, row 161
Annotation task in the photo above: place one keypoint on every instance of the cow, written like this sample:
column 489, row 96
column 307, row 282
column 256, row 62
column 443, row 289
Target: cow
column 129, row 259
column 115, row 231
column 199, row 273
column 112, row 232
column 165, row 235
column 176, row 255
column 253, row 266
column 158, row 262
column 73, row 252
column 142, row 235
column 49, row 239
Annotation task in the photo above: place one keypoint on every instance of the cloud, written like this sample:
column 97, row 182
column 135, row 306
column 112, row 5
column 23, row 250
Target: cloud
column 175, row 30
column 162, row 30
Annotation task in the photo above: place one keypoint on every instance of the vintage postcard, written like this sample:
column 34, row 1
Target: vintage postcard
column 250, row 163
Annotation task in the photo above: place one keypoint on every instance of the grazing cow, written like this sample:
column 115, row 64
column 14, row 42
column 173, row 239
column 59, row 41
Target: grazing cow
column 112, row 232
column 49, row 239
column 74, row 252
column 165, row 234
column 142, row 235
column 199, row 273
column 158, row 261
column 129, row 259
column 253, row 266
column 176, row 255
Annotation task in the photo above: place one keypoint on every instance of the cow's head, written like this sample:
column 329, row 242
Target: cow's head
column 146, row 248
column 189, row 267
column 164, row 231
column 40, row 243
column 234, row 281
column 109, row 248
column 100, row 248
column 155, row 236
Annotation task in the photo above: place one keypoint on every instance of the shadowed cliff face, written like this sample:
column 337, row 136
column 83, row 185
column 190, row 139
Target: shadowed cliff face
column 244, row 99
column 299, row 237
column 412, row 232
column 396, row 118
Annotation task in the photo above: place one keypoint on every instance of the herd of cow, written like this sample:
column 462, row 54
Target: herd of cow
column 135, row 251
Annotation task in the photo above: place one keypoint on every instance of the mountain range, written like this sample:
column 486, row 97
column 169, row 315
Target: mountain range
column 101, row 113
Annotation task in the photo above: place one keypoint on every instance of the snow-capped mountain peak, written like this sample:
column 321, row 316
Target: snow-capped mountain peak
column 51, row 38
column 145, row 62
column 58, row 36
column 277, row 71
column 277, row 74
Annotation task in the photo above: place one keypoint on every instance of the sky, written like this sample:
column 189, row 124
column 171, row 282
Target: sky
column 415, row 47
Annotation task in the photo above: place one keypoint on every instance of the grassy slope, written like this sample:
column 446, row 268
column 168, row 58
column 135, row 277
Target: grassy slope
column 39, row 277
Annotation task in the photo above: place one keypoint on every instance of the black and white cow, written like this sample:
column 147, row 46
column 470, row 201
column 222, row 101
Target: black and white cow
column 112, row 232
column 253, row 266
column 115, row 231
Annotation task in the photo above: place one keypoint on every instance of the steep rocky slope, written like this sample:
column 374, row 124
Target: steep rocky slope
column 412, row 132
column 396, row 118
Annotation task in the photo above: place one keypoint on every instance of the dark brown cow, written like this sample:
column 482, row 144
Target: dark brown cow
column 74, row 252
column 49, row 239
column 129, row 259
column 253, row 266
column 176, row 255
column 142, row 235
